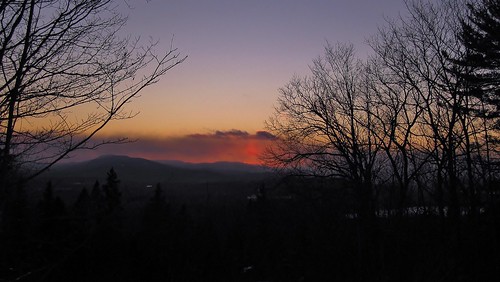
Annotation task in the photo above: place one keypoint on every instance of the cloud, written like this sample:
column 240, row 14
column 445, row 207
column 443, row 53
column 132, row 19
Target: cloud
column 232, row 145
column 235, row 133
column 265, row 135
column 232, row 133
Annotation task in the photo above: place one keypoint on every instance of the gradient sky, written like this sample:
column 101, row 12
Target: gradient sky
column 240, row 54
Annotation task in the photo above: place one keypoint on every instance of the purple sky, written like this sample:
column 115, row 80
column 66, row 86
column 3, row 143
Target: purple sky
column 240, row 54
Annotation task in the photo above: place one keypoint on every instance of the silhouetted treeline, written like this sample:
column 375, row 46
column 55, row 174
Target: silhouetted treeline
column 413, row 129
column 291, row 229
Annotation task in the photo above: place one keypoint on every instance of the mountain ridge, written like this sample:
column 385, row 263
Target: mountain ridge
column 133, row 169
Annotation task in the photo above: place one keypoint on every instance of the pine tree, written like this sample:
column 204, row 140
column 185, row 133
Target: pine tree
column 158, row 199
column 15, row 220
column 112, row 193
column 481, row 38
column 46, row 204
column 82, row 216
column 96, row 202
column 53, row 226
column 82, row 204
column 96, row 191
column 157, row 210
column 16, row 241
column 51, row 206
column 154, row 238
column 83, row 207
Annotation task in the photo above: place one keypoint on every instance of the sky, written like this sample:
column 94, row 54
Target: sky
column 214, row 105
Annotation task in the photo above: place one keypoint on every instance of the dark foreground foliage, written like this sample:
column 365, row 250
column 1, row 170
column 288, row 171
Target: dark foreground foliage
column 298, row 232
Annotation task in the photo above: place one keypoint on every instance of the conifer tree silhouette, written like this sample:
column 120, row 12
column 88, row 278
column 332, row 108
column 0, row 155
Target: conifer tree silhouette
column 112, row 194
column 482, row 40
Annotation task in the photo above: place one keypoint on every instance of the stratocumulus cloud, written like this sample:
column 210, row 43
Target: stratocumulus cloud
column 265, row 135
column 232, row 145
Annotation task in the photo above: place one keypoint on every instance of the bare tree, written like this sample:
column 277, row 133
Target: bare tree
column 415, row 51
column 404, row 121
column 397, row 112
column 324, row 125
column 321, row 121
column 65, row 73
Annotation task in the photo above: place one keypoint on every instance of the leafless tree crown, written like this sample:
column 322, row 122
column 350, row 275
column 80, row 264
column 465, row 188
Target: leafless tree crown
column 402, row 118
column 65, row 73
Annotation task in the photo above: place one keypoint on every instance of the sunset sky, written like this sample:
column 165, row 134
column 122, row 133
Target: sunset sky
column 214, row 105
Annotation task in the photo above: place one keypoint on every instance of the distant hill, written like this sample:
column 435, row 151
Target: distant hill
column 137, row 170
column 221, row 167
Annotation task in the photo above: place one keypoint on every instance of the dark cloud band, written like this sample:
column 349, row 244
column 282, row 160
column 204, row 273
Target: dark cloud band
column 232, row 145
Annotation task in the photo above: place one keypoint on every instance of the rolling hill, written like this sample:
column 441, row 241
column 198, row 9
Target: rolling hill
column 137, row 170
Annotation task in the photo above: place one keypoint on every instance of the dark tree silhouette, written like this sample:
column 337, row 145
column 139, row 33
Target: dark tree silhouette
column 158, row 201
column 481, row 61
column 51, row 206
column 154, row 241
column 397, row 124
column 96, row 202
column 82, row 204
column 324, row 123
column 481, row 39
column 53, row 224
column 325, row 126
column 62, row 57
column 15, row 224
column 46, row 204
column 112, row 194
column 96, row 193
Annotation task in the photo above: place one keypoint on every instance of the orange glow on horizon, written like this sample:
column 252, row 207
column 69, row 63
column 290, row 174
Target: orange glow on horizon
column 252, row 150
column 229, row 146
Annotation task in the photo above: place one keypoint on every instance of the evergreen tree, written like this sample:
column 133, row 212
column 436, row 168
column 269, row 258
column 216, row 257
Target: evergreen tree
column 108, row 242
column 15, row 238
column 53, row 229
column 112, row 193
column 158, row 200
column 46, row 204
column 156, row 212
column 15, row 216
column 95, row 194
column 82, row 204
column 154, row 238
column 96, row 202
column 481, row 38
column 82, row 211
column 52, row 207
